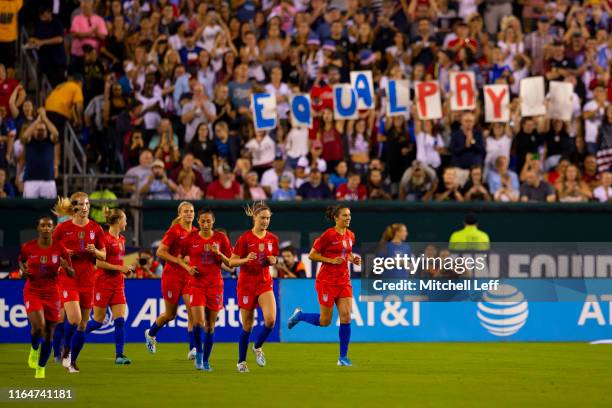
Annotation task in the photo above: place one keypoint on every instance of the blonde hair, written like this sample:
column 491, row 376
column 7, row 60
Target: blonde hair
column 180, row 206
column 255, row 208
column 390, row 232
column 112, row 215
column 65, row 205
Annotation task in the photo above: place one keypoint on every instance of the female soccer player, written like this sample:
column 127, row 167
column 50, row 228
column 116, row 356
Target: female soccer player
column 334, row 249
column 109, row 287
column 174, row 278
column 205, row 251
column 254, row 252
column 84, row 240
column 39, row 261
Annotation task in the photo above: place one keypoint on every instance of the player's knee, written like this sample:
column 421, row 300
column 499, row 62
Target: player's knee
column 270, row 322
column 247, row 326
column 324, row 321
column 37, row 330
column 345, row 318
column 82, row 326
column 169, row 315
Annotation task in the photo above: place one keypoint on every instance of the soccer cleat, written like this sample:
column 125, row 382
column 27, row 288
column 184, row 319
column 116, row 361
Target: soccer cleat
column 122, row 360
column 260, row 358
column 242, row 367
column 344, row 362
column 40, row 372
column 73, row 369
column 33, row 357
column 66, row 357
column 57, row 359
column 206, row 366
column 294, row 318
column 192, row 354
column 199, row 365
column 150, row 341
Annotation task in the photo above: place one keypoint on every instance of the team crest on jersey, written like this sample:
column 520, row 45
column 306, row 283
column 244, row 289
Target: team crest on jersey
column 43, row 259
column 245, row 299
column 98, row 296
column 261, row 247
column 219, row 299
column 344, row 243
column 28, row 304
column 92, row 235
column 65, row 293
column 54, row 258
column 207, row 247
column 325, row 297
column 81, row 235
column 270, row 246
column 170, row 294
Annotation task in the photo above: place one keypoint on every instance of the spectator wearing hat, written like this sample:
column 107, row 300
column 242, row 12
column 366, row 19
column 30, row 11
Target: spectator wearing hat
column 190, row 51
column 158, row 186
column 225, row 187
column 314, row 188
column 558, row 66
column 271, row 177
column 285, row 190
column 87, row 28
column 593, row 113
column 418, row 183
column 537, row 44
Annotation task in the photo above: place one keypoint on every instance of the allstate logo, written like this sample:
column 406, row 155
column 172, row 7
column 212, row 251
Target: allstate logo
column 504, row 311
column 108, row 326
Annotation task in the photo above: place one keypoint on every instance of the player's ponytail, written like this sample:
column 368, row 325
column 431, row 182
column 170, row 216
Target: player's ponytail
column 390, row 232
column 332, row 212
column 65, row 207
column 112, row 215
column 180, row 207
column 255, row 208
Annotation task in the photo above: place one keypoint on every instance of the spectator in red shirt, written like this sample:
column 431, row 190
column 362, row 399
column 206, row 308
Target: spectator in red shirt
column 7, row 87
column 352, row 190
column 225, row 188
column 463, row 40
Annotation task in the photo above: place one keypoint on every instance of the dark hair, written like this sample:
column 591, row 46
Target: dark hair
column 332, row 212
column 289, row 248
column 112, row 215
column 45, row 217
column 470, row 219
column 206, row 210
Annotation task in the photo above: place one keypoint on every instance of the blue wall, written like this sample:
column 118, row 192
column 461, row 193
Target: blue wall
column 392, row 321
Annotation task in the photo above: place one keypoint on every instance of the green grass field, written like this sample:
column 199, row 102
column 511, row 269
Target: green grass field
column 384, row 375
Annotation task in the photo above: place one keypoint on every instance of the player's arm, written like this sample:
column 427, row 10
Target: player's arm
column 315, row 256
column 23, row 265
column 102, row 264
column 235, row 259
column 163, row 253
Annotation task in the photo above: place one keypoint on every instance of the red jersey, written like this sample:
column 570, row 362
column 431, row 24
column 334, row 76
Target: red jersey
column 332, row 244
column 345, row 193
column 43, row 265
column 174, row 239
column 115, row 250
column 75, row 239
column 201, row 256
column 257, row 269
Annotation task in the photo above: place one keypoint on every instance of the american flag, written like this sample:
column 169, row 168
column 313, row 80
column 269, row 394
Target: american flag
column 604, row 154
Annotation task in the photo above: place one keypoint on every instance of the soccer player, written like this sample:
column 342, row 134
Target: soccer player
column 39, row 261
column 254, row 252
column 334, row 249
column 205, row 251
column 109, row 286
column 174, row 277
column 84, row 240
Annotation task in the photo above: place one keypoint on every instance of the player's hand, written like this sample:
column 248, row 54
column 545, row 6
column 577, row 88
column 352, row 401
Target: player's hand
column 91, row 248
column 128, row 268
column 251, row 256
column 25, row 274
column 193, row 270
column 356, row 260
column 337, row 260
column 215, row 249
column 271, row 260
column 186, row 259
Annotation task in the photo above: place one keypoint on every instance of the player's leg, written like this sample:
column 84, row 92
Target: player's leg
column 197, row 316
column 190, row 334
column 58, row 337
column 344, row 305
column 78, row 340
column 210, row 319
column 243, row 343
column 37, row 321
column 171, row 292
column 45, row 348
column 73, row 317
column 98, row 318
column 267, row 302
column 118, row 311
column 323, row 318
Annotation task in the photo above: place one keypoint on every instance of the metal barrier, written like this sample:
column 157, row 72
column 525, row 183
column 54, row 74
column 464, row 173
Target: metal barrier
column 75, row 159
column 28, row 64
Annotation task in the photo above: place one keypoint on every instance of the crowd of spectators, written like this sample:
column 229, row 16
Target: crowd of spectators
column 160, row 91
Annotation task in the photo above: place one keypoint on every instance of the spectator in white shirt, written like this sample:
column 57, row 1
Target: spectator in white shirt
column 593, row 113
column 603, row 193
column 429, row 143
column 198, row 110
column 262, row 150
column 271, row 177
